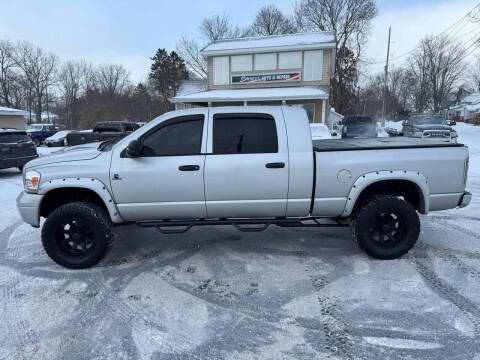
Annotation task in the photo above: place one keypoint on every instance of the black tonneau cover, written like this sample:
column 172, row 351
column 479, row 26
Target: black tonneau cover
column 399, row 142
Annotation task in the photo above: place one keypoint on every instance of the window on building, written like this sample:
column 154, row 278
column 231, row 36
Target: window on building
column 290, row 60
column 242, row 63
column 266, row 61
column 313, row 65
column 221, row 70
column 244, row 134
column 182, row 137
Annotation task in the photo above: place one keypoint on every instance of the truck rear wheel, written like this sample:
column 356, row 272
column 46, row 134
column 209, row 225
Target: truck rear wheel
column 77, row 235
column 386, row 227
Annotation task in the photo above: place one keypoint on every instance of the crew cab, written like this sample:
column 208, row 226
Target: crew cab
column 251, row 167
column 428, row 126
column 16, row 149
column 101, row 132
column 39, row 132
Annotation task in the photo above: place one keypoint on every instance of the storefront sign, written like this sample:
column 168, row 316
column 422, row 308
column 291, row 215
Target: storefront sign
column 263, row 78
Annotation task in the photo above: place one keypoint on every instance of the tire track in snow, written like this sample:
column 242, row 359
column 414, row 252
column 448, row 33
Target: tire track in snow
column 443, row 289
column 339, row 341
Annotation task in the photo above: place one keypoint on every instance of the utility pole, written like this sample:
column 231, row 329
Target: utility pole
column 386, row 77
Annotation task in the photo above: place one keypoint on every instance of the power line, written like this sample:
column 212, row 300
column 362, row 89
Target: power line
column 450, row 28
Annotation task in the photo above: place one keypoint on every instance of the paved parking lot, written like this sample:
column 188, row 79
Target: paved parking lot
column 219, row 293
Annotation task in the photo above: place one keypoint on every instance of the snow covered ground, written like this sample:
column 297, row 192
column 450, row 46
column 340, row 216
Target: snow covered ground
column 215, row 293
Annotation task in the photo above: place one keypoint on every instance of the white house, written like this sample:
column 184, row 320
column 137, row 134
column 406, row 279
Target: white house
column 12, row 118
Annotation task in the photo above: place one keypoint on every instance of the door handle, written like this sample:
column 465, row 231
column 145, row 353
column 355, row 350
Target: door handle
column 189, row 168
column 275, row 165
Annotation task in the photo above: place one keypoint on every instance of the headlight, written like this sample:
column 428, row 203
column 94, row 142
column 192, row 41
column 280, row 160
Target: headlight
column 31, row 181
column 453, row 134
column 417, row 134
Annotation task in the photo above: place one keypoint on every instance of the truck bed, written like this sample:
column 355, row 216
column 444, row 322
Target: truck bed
column 379, row 144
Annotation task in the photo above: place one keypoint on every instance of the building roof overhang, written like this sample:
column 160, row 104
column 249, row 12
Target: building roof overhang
column 264, row 44
column 257, row 94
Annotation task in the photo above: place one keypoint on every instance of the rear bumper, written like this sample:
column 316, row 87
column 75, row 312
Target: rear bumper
column 465, row 199
column 15, row 162
column 28, row 206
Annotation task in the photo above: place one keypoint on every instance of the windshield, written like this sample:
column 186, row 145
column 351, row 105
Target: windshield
column 108, row 128
column 13, row 138
column 428, row 120
column 59, row 135
column 35, row 127
column 358, row 120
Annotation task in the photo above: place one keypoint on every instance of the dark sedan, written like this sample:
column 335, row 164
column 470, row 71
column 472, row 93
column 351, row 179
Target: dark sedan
column 16, row 149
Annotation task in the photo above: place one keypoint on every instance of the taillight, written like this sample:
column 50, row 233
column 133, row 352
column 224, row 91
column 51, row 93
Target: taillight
column 101, row 138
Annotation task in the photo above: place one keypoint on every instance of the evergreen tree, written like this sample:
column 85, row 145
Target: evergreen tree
column 167, row 72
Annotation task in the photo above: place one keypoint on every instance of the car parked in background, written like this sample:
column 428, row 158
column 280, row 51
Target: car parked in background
column 320, row 131
column 39, row 132
column 429, row 127
column 57, row 139
column 16, row 149
column 110, row 130
column 359, row 126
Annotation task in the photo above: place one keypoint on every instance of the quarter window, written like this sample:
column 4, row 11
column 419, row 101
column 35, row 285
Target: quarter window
column 244, row 134
column 182, row 137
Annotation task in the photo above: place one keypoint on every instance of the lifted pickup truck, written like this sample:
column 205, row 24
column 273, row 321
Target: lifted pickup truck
column 250, row 167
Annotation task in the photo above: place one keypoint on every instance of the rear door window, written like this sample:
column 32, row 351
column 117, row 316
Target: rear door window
column 244, row 134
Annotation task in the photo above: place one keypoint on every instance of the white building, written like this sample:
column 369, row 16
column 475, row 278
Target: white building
column 269, row 70
column 466, row 110
column 12, row 118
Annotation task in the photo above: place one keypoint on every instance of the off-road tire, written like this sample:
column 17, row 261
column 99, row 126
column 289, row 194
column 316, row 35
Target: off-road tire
column 375, row 206
column 98, row 221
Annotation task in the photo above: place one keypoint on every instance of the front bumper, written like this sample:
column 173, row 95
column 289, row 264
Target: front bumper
column 28, row 206
column 465, row 199
column 15, row 162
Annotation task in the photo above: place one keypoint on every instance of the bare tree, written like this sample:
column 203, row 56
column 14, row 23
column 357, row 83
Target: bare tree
column 218, row 27
column 11, row 87
column 271, row 21
column 438, row 64
column 112, row 79
column 350, row 21
column 72, row 79
column 39, row 68
column 472, row 78
column 189, row 50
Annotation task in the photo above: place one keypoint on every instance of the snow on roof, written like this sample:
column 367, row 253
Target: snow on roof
column 475, row 107
column 333, row 112
column 473, row 98
column 188, row 87
column 264, row 94
column 321, row 39
column 10, row 111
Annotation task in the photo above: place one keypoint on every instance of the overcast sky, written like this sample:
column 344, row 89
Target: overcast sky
column 129, row 32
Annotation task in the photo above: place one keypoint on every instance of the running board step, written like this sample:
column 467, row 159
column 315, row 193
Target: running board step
column 245, row 225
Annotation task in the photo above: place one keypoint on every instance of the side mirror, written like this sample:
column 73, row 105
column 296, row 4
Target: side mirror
column 134, row 149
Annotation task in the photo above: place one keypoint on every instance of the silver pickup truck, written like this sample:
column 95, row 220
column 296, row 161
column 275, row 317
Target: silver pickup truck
column 250, row 167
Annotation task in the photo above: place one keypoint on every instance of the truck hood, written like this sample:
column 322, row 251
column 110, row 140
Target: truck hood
column 433, row 127
column 74, row 153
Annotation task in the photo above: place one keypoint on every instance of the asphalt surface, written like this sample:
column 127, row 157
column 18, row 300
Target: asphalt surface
column 216, row 293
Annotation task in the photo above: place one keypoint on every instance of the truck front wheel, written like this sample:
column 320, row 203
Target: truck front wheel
column 386, row 227
column 77, row 235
